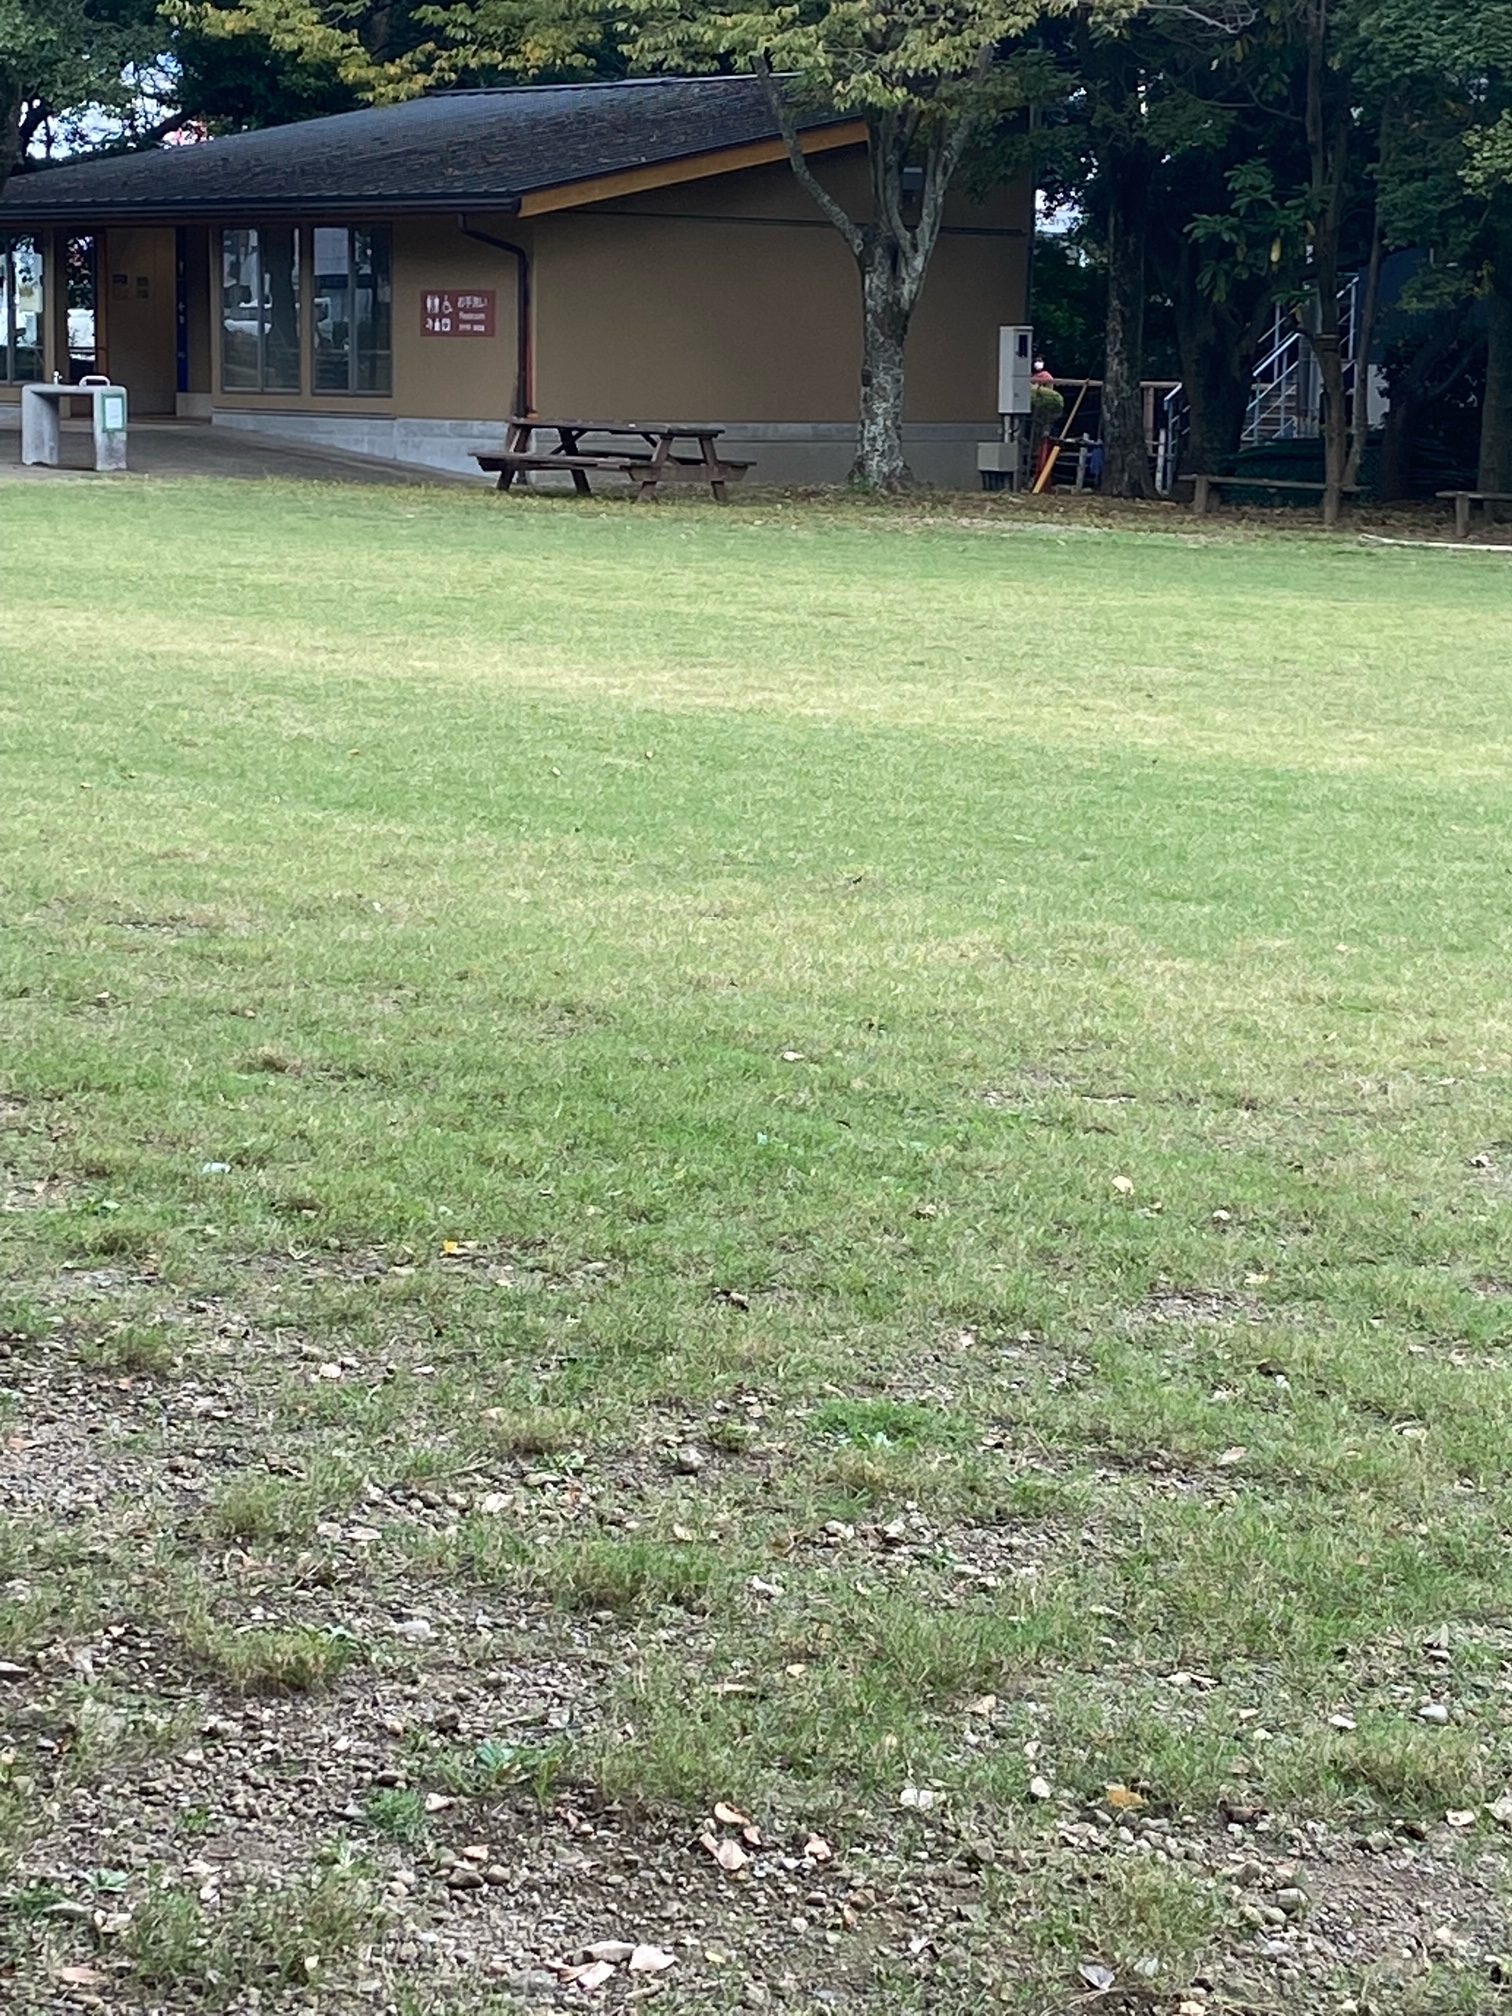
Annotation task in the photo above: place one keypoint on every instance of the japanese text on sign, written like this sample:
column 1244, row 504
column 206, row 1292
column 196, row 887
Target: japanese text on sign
column 453, row 312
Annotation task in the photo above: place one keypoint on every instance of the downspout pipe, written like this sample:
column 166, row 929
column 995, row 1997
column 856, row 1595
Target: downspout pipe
column 524, row 389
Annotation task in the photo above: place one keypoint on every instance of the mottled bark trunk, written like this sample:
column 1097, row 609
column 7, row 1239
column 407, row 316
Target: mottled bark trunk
column 1334, row 416
column 1328, row 127
column 1216, row 374
column 1126, row 451
column 1496, row 409
column 1395, row 479
column 1216, row 342
column 881, row 463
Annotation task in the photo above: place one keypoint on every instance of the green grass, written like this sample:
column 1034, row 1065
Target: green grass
column 996, row 1034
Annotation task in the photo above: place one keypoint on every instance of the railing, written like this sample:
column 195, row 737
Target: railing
column 1284, row 401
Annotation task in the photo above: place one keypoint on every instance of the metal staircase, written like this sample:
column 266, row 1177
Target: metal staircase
column 1284, row 399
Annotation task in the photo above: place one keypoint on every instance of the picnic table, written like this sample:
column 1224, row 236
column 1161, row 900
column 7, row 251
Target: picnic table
column 654, row 459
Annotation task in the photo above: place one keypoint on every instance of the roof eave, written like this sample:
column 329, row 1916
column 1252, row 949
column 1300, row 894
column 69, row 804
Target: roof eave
column 222, row 210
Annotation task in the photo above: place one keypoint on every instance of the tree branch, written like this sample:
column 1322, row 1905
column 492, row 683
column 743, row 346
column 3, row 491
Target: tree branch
column 787, row 125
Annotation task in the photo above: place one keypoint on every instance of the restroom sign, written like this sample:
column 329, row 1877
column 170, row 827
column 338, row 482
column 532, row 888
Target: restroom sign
column 456, row 311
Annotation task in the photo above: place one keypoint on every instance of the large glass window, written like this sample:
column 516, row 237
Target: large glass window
column 23, row 319
column 354, row 310
column 260, row 310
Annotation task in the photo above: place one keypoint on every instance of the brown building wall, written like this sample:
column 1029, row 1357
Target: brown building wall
column 435, row 377
column 733, row 299
column 727, row 298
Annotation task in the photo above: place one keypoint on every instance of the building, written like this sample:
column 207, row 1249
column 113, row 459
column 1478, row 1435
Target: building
column 396, row 281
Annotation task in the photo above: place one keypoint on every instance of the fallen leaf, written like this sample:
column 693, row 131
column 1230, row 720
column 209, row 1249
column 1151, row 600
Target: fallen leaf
column 731, row 1816
column 986, row 1704
column 651, row 1960
column 593, row 1978
column 81, row 1977
column 817, row 1849
column 1345, row 1722
column 917, row 1797
column 730, row 1856
column 612, row 1950
column 1232, row 1456
column 751, row 1835
column 1097, row 1976
column 1123, row 1800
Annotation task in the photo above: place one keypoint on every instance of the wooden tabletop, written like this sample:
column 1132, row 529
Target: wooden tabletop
column 694, row 430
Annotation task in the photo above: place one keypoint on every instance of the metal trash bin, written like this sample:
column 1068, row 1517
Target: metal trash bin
column 42, row 429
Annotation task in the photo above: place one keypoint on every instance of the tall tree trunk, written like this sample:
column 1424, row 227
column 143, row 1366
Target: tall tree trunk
column 1395, row 479
column 1217, row 342
column 1328, row 128
column 1496, row 410
column 1126, row 449
column 1217, row 371
column 1364, row 344
column 10, row 126
column 1439, row 364
column 881, row 463
column 1328, row 348
column 892, row 253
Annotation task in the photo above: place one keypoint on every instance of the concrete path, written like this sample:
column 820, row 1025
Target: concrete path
column 190, row 448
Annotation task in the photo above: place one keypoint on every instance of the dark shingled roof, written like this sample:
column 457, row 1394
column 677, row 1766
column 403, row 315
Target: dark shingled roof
column 458, row 150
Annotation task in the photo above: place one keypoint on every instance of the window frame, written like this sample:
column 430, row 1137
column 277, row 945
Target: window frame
column 10, row 243
column 351, row 390
column 300, row 233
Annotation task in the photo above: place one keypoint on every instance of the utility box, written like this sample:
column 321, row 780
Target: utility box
column 1015, row 371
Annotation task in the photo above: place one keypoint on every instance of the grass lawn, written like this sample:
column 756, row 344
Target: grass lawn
column 850, row 1166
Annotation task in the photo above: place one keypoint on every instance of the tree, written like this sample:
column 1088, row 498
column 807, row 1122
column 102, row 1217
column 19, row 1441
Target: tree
column 1142, row 94
column 1446, row 183
column 57, row 55
column 926, row 77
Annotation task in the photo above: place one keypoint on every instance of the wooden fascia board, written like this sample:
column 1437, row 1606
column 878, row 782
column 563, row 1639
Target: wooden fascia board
column 688, row 168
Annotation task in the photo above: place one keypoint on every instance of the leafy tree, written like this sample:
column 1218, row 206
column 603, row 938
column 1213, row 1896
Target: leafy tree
column 1445, row 77
column 1141, row 108
column 926, row 77
column 58, row 55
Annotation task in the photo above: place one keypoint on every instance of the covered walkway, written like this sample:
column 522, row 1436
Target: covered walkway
column 192, row 448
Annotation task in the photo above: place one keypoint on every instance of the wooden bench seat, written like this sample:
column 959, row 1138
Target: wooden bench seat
column 1465, row 500
column 510, row 462
column 1204, row 488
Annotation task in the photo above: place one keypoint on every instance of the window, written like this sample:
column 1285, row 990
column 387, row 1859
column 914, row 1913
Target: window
column 260, row 311
column 354, row 315
column 79, row 267
column 22, row 311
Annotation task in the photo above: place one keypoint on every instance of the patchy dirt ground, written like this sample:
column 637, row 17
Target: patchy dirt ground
column 203, row 1818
